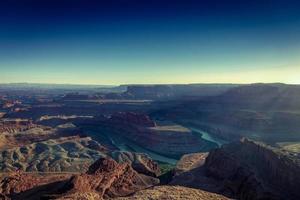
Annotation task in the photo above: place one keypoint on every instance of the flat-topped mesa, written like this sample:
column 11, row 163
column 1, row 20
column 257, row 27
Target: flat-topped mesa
column 133, row 119
column 251, row 170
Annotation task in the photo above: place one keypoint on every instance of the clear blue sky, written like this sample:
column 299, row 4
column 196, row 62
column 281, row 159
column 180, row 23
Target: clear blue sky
column 154, row 41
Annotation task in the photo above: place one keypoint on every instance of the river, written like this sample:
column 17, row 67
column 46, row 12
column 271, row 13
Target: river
column 125, row 145
column 208, row 137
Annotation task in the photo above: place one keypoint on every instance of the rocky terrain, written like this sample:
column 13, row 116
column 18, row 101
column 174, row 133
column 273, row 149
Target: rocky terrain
column 141, row 163
column 173, row 193
column 15, row 125
column 49, row 141
column 32, row 147
column 240, row 170
column 243, row 170
column 105, row 178
column 12, row 185
column 64, row 154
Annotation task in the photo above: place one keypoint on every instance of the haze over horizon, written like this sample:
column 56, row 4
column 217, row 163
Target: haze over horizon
column 148, row 42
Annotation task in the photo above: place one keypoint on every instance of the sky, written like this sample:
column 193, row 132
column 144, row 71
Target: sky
column 156, row 41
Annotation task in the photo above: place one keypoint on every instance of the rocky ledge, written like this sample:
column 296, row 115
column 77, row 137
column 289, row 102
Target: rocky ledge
column 251, row 170
column 242, row 170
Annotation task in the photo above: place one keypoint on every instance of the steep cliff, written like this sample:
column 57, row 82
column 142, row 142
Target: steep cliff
column 245, row 170
column 251, row 170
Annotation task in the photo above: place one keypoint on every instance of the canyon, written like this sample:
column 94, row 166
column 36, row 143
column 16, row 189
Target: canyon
column 202, row 141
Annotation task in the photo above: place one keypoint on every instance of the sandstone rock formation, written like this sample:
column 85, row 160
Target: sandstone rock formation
column 104, row 179
column 20, row 185
column 250, row 170
column 190, row 172
column 109, row 179
column 140, row 162
column 189, row 162
column 242, row 170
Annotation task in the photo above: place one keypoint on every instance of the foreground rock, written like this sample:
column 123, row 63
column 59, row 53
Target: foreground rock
column 155, row 193
column 109, row 179
column 21, row 185
column 173, row 193
column 104, row 179
column 244, row 170
column 251, row 170
column 190, row 172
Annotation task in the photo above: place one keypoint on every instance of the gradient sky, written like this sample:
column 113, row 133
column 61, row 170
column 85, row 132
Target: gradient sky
column 154, row 41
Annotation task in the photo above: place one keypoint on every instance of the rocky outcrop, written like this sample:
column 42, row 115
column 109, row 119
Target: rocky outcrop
column 251, row 170
column 21, row 185
column 16, row 183
column 140, row 162
column 190, row 172
column 244, row 170
column 189, row 162
column 109, row 179
column 104, row 179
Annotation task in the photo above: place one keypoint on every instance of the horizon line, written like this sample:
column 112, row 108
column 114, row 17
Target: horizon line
column 126, row 84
